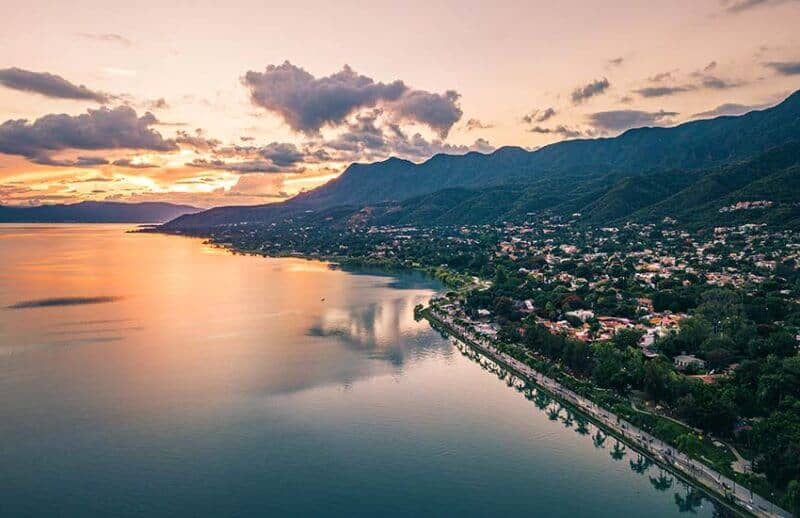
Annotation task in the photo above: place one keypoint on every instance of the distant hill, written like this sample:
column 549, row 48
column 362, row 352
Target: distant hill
column 638, row 164
column 697, row 199
column 96, row 212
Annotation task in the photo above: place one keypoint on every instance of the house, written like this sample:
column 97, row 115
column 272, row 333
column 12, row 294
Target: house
column 581, row 314
column 684, row 361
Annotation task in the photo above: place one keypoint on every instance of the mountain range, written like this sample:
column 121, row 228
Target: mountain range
column 691, row 170
column 96, row 212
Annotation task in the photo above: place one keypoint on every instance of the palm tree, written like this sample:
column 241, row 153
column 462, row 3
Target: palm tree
column 554, row 412
column 567, row 419
column 583, row 426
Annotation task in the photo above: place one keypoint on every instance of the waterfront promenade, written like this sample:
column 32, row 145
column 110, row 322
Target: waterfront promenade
column 657, row 449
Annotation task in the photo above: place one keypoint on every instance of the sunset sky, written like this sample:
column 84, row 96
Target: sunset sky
column 239, row 102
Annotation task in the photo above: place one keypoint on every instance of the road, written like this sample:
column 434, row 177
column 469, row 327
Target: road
column 661, row 451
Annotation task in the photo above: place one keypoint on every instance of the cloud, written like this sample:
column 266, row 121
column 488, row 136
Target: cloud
column 243, row 167
column 661, row 76
column 661, row 91
column 363, row 136
column 785, row 68
column 417, row 147
column 539, row 116
column 107, row 37
column 104, row 128
column 91, row 179
column 477, row 124
column 561, row 130
column 364, row 140
column 81, row 161
column 282, row 154
column 156, row 104
column 48, row 85
column 439, row 112
column 258, row 185
column 596, row 87
column 307, row 103
column 127, row 162
column 62, row 301
column 701, row 80
column 198, row 140
column 617, row 120
column 738, row 6
column 716, row 83
column 728, row 109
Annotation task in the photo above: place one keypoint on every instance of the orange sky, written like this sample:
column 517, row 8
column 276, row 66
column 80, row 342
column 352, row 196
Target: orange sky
column 231, row 125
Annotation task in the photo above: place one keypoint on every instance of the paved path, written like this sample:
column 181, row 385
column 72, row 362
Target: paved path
column 661, row 451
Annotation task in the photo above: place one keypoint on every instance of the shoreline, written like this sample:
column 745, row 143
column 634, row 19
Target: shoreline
column 640, row 441
column 739, row 506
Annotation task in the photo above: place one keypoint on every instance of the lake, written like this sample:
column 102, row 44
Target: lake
column 151, row 375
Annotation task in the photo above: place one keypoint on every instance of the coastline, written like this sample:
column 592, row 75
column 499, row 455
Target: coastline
column 642, row 442
column 680, row 464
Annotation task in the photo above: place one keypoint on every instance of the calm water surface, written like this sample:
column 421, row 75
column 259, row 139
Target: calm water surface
column 147, row 375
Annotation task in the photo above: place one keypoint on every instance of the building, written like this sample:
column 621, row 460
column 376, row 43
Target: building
column 684, row 361
column 581, row 314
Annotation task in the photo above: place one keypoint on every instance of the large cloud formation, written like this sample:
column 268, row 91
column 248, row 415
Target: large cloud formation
column 308, row 103
column 363, row 139
column 104, row 128
column 439, row 112
column 49, row 85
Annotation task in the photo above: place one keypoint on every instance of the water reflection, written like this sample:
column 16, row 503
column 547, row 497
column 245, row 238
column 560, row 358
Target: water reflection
column 62, row 301
column 641, row 464
column 599, row 439
column 384, row 330
column 687, row 500
column 618, row 451
column 662, row 482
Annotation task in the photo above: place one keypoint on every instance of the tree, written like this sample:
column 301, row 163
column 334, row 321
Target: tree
column 793, row 497
column 656, row 378
column 694, row 331
column 627, row 338
column 782, row 344
column 718, row 358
